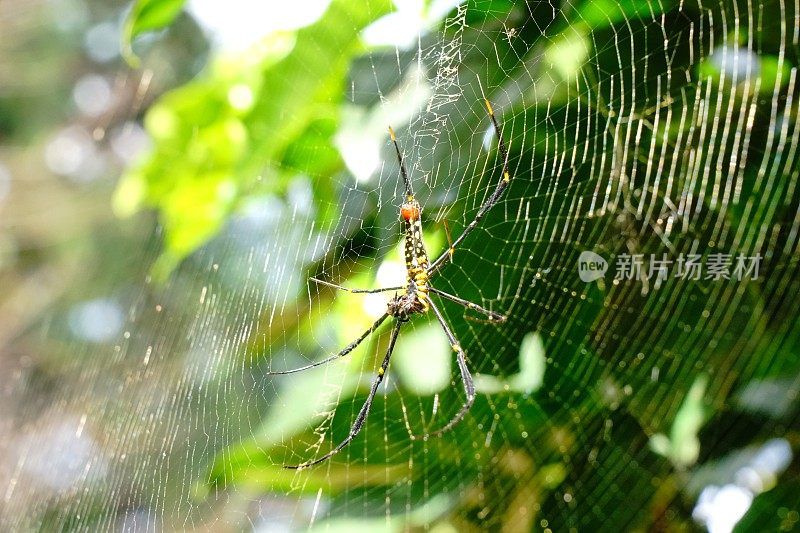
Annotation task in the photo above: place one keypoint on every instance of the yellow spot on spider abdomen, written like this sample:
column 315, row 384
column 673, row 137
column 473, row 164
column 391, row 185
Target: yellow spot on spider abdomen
column 423, row 298
column 380, row 371
column 456, row 348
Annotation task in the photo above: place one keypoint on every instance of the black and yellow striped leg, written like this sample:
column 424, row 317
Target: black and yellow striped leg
column 362, row 415
column 355, row 291
column 502, row 185
column 466, row 377
column 349, row 348
column 495, row 317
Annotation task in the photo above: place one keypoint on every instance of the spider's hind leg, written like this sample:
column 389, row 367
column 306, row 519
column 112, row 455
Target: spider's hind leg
column 466, row 379
column 347, row 349
column 362, row 414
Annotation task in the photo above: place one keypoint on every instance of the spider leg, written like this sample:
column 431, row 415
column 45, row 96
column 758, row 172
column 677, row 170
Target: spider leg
column 403, row 172
column 493, row 317
column 466, row 377
column 355, row 291
column 347, row 349
column 502, row 185
column 362, row 415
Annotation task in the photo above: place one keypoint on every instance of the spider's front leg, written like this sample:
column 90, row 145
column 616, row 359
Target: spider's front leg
column 494, row 198
column 354, row 291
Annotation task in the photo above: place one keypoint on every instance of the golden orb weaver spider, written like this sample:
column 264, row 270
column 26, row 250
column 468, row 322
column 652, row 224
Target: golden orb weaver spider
column 415, row 298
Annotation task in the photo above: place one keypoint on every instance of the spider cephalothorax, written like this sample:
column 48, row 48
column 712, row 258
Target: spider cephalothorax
column 402, row 306
column 414, row 297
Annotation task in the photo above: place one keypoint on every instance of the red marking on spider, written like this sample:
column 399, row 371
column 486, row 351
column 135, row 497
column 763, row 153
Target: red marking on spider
column 409, row 212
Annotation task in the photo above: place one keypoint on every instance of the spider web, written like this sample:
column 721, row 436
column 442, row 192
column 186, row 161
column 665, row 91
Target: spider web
column 642, row 129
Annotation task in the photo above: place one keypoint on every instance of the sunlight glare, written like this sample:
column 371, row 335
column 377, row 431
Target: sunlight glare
column 235, row 25
column 403, row 27
column 390, row 274
column 374, row 304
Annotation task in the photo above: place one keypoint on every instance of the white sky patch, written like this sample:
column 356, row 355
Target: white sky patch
column 423, row 359
column 720, row 506
column 5, row 182
column 360, row 147
column 129, row 141
column 390, row 274
column 375, row 304
column 736, row 63
column 73, row 153
column 97, row 320
column 241, row 97
column 102, row 42
column 363, row 133
column 68, row 151
column 402, row 28
column 59, row 457
column 92, row 94
column 532, row 363
column 235, row 25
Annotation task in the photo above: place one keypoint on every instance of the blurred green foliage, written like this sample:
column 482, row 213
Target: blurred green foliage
column 247, row 125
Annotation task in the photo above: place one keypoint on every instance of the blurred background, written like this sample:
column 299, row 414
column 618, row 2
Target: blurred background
column 172, row 174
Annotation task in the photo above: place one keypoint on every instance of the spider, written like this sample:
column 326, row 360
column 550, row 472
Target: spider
column 415, row 296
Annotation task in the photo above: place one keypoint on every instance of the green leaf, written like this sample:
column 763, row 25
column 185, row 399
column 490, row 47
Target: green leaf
column 603, row 13
column 145, row 16
column 531, row 370
column 682, row 447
